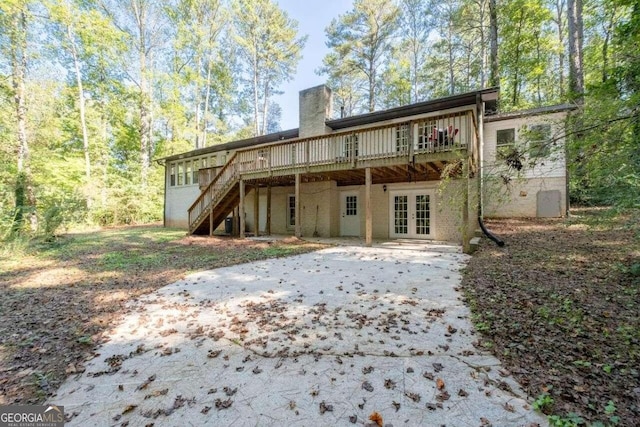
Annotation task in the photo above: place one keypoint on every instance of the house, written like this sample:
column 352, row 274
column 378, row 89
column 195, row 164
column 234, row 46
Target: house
column 427, row 170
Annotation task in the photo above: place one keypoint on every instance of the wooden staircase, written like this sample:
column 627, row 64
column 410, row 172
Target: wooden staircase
column 217, row 200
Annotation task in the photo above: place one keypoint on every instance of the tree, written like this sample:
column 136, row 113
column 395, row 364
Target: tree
column 415, row 29
column 270, row 48
column 14, row 19
column 360, row 40
column 76, row 26
column 494, row 74
column 198, row 24
column 144, row 22
column 576, row 36
column 523, row 45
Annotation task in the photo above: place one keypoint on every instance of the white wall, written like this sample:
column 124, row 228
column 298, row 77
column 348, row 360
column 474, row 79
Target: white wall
column 509, row 193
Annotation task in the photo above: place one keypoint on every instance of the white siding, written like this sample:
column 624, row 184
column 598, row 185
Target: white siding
column 508, row 193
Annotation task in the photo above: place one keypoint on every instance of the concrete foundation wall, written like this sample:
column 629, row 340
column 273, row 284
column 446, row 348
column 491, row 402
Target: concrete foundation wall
column 519, row 198
column 177, row 203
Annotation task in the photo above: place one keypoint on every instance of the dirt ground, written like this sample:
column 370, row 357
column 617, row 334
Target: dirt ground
column 559, row 305
column 57, row 300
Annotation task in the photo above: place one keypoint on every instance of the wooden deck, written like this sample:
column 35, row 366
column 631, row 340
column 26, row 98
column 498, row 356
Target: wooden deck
column 418, row 149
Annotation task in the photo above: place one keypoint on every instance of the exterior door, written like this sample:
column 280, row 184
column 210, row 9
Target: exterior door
column 349, row 214
column 411, row 214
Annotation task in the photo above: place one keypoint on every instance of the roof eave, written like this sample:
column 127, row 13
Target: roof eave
column 453, row 101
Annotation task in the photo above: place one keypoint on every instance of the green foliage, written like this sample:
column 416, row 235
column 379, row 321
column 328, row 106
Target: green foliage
column 543, row 403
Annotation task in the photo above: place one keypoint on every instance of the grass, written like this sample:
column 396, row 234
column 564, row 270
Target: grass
column 559, row 306
column 58, row 298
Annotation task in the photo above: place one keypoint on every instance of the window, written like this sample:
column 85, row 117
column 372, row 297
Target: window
column 351, row 205
column 194, row 172
column 539, row 137
column 187, row 178
column 422, row 214
column 180, row 173
column 402, row 137
column 291, row 211
column 505, row 137
column 401, row 214
column 172, row 175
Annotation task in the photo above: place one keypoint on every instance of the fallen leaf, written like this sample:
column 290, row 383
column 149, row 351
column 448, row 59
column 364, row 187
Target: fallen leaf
column 376, row 418
column 367, row 386
column 223, row 404
column 325, row 408
column 144, row 385
column 128, row 409
column 440, row 384
column 413, row 396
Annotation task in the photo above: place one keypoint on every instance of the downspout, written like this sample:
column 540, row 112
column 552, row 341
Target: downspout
column 161, row 162
column 480, row 137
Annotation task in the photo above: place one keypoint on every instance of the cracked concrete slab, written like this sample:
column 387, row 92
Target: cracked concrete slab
column 326, row 338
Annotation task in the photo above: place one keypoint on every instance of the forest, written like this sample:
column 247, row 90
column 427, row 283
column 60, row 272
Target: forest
column 94, row 92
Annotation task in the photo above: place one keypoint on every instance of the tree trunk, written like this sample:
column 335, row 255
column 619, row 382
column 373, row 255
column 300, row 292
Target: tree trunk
column 81, row 106
column 25, row 195
column 265, row 107
column 576, row 72
column 144, row 122
column 372, row 87
column 559, row 22
column 494, row 75
column 206, row 104
column 256, row 130
column 197, row 101
column 452, row 83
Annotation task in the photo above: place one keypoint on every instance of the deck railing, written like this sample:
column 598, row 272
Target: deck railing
column 407, row 139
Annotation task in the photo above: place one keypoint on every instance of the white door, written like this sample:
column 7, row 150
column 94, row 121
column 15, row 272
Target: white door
column 349, row 214
column 411, row 214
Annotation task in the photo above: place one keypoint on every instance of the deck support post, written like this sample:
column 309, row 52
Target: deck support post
column 297, row 208
column 256, row 210
column 268, row 225
column 466, row 232
column 367, row 202
column 210, row 219
column 241, row 208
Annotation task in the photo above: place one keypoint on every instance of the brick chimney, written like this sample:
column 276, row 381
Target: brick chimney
column 316, row 106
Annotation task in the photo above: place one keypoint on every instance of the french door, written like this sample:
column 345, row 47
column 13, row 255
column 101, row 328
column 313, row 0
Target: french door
column 411, row 214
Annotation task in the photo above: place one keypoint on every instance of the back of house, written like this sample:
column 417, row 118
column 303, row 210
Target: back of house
column 422, row 171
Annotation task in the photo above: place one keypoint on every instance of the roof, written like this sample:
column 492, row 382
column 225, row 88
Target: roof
column 531, row 112
column 234, row 145
column 489, row 95
column 454, row 101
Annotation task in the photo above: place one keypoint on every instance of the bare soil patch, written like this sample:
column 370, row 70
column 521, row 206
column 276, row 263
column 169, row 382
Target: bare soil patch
column 559, row 305
column 58, row 299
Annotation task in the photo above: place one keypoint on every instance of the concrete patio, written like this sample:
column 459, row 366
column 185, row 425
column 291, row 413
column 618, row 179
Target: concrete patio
column 335, row 337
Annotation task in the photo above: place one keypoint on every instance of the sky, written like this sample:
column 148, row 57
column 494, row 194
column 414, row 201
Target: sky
column 313, row 17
